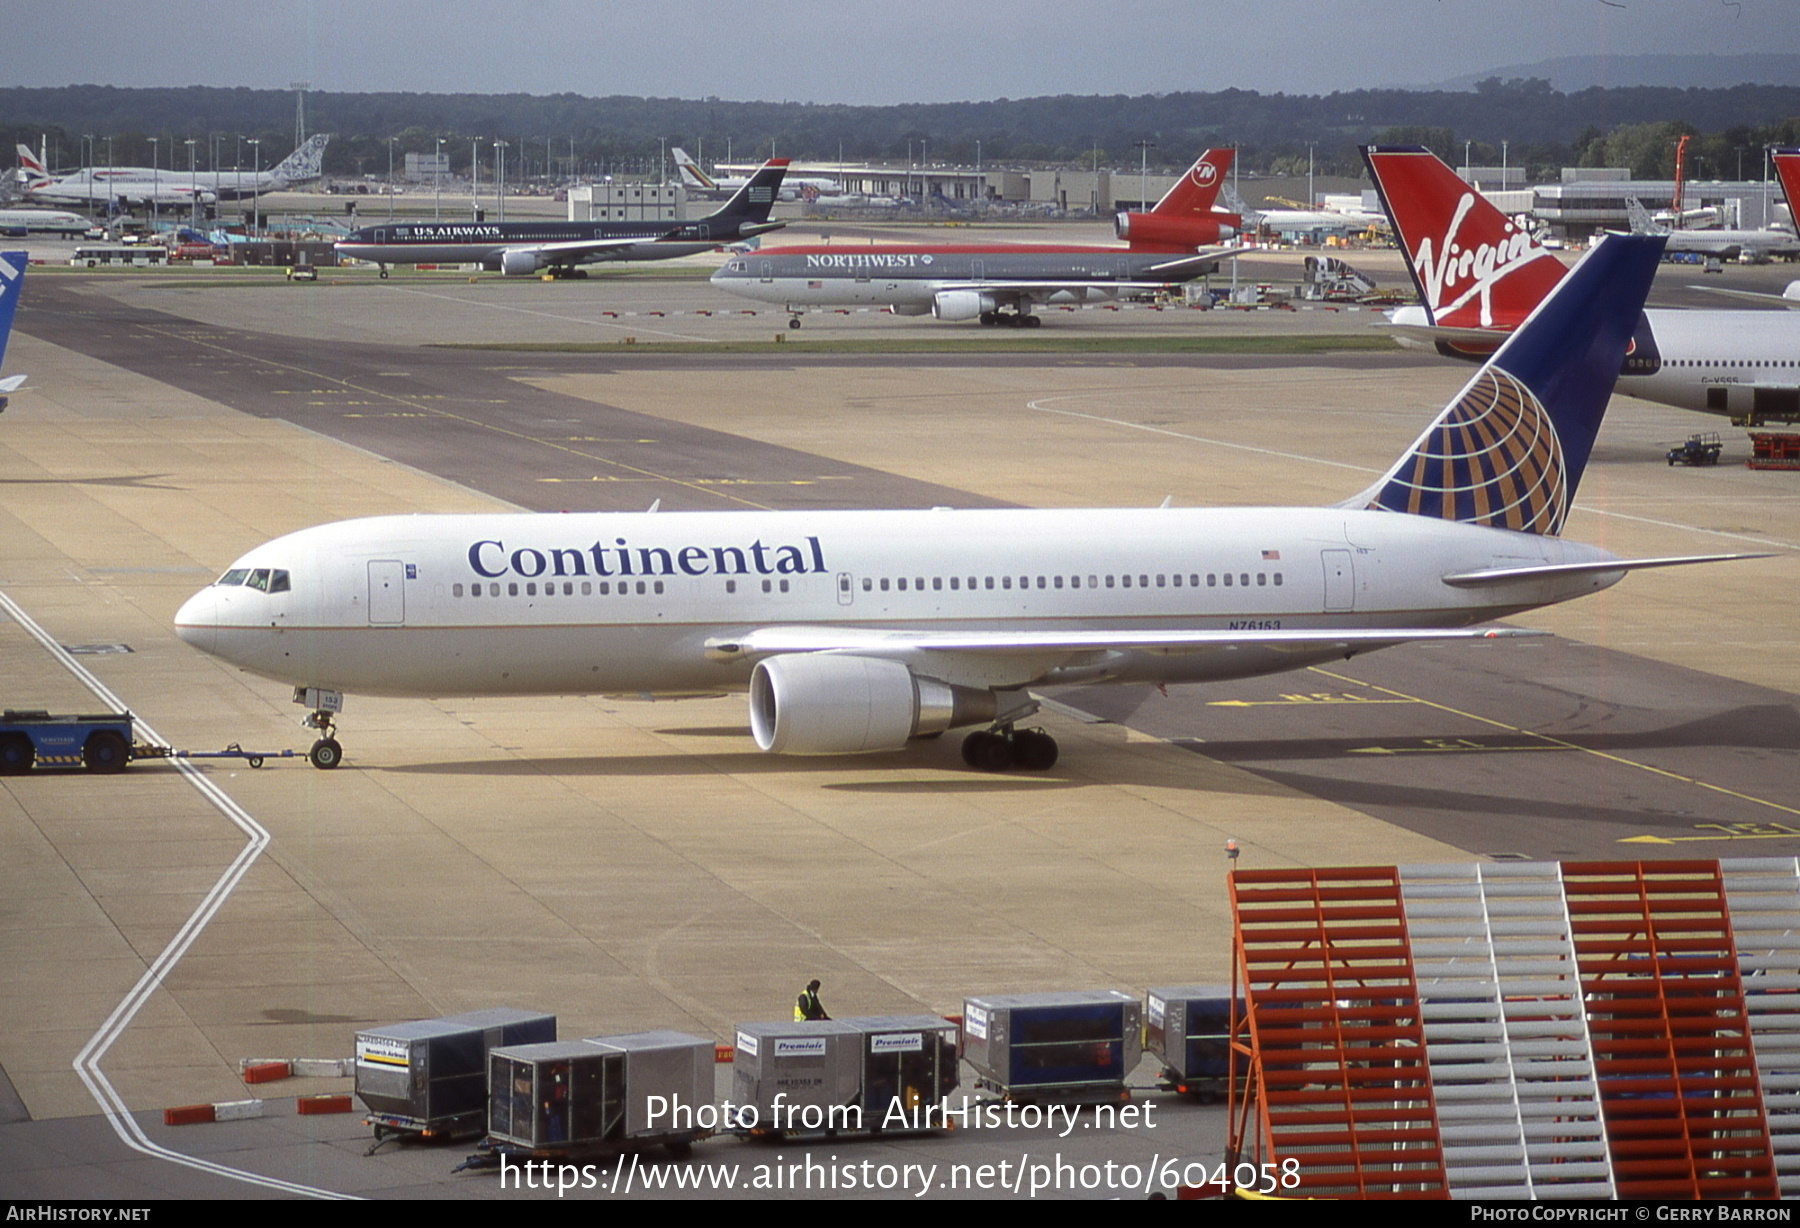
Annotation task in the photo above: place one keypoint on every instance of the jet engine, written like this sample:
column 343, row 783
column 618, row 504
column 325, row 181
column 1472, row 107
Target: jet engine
column 518, row 263
column 1156, row 232
column 962, row 304
column 833, row 704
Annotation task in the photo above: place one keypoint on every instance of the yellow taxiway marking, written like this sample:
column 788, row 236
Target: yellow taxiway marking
column 1343, row 697
column 1561, row 743
column 1732, row 831
column 1434, row 746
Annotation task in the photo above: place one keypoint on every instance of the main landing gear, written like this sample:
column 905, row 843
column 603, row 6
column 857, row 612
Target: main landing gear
column 794, row 321
column 999, row 750
column 384, row 272
column 1011, row 319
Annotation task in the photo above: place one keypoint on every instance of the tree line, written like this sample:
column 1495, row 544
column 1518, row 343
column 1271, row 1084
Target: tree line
column 1523, row 121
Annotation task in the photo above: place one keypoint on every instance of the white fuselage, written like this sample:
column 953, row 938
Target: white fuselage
column 1714, row 361
column 47, row 221
column 525, row 604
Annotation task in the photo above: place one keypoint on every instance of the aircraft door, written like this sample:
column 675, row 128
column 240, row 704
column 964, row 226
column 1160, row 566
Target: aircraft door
column 1340, row 581
column 387, row 593
column 765, row 270
column 978, row 270
column 846, row 586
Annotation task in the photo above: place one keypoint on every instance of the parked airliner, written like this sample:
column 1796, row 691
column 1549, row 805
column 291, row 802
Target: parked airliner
column 523, row 249
column 1479, row 275
column 95, row 186
column 859, row 630
column 997, row 283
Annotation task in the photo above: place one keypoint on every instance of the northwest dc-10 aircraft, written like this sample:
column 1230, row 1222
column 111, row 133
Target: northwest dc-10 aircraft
column 999, row 283
column 522, row 249
column 859, row 630
column 1479, row 276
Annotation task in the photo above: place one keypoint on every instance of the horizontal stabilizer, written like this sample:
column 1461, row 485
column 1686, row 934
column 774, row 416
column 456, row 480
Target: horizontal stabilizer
column 1506, row 575
column 1200, row 262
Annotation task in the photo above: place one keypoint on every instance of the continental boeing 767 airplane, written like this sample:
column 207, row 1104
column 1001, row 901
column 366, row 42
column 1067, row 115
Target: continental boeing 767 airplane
column 859, row 630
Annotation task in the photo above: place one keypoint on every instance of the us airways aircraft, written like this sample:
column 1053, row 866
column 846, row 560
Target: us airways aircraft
column 1750, row 246
column 859, row 630
column 522, row 249
column 12, row 283
column 1479, row 275
column 997, row 283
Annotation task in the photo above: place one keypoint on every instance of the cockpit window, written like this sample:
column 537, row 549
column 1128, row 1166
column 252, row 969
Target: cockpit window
column 263, row 579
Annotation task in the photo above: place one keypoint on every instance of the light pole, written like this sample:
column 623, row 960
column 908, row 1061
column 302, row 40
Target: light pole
column 500, row 180
column 193, row 184
column 474, row 179
column 437, row 183
column 1312, row 197
column 390, row 182
column 1144, row 148
column 255, row 175
column 155, row 180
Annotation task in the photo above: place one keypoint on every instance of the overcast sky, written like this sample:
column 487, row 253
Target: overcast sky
column 851, row 50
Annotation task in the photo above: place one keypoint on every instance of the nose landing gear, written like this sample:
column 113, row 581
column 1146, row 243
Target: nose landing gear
column 325, row 753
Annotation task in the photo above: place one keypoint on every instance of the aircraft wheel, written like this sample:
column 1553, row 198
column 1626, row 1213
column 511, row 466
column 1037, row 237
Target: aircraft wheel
column 794, row 323
column 384, row 274
column 989, row 752
column 326, row 754
column 17, row 754
column 1031, row 322
column 106, row 751
column 1034, row 750
column 987, row 319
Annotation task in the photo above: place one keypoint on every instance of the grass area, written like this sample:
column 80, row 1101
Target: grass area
column 985, row 343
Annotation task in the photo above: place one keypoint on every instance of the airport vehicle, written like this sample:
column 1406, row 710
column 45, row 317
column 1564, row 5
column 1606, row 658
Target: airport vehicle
column 99, row 742
column 1700, row 448
column 97, row 186
column 859, row 630
column 1479, row 276
column 523, row 249
column 12, row 284
column 1185, row 220
column 21, row 222
column 705, row 187
column 1747, row 246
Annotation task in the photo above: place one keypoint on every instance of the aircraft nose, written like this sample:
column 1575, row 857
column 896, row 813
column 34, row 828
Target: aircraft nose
column 197, row 622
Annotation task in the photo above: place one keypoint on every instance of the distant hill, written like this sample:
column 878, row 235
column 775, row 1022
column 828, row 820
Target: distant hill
column 1569, row 73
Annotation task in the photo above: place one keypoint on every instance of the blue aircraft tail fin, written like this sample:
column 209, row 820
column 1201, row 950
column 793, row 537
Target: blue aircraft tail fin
column 1509, row 451
column 12, row 281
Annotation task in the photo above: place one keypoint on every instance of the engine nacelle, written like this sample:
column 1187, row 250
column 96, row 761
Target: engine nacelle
column 835, row 704
column 962, row 304
column 1161, row 232
column 518, row 263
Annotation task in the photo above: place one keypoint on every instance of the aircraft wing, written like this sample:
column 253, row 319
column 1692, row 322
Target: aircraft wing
column 1506, row 575
column 577, row 249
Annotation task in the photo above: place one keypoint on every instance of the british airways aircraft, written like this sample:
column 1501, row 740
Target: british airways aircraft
column 523, row 249
column 1479, row 276
column 859, row 630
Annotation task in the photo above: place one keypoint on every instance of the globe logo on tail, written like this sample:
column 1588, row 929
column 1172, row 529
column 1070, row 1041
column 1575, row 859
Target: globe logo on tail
column 1492, row 458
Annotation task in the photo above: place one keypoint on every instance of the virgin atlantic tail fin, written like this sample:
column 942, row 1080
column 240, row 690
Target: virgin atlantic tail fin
column 1473, row 266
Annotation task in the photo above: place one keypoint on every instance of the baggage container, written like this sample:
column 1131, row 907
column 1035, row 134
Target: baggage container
column 908, row 1063
column 800, row 1077
column 430, row 1076
column 598, row 1094
column 1061, row 1047
column 1187, row 1028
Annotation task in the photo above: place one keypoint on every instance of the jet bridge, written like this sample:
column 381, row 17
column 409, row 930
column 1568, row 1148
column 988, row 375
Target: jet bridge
column 1520, row 1030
